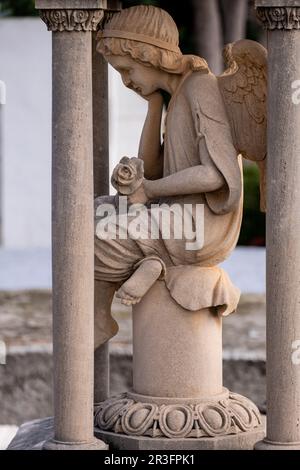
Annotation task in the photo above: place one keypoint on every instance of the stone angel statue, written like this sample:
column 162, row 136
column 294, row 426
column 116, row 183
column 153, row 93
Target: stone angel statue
column 211, row 123
column 191, row 179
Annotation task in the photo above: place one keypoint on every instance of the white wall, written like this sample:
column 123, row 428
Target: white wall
column 25, row 67
column 26, row 70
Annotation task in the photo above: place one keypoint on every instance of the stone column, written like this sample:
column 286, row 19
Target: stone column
column 72, row 23
column 100, row 122
column 101, row 187
column 101, row 179
column 282, row 20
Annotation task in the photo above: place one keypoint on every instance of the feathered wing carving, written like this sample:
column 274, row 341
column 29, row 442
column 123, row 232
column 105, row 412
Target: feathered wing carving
column 244, row 89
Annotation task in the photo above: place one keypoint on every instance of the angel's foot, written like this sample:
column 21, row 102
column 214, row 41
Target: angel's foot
column 132, row 291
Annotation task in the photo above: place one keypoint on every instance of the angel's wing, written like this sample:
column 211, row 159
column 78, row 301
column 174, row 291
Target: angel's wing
column 244, row 89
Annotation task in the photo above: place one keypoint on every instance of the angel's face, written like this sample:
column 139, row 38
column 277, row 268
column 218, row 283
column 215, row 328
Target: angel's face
column 140, row 78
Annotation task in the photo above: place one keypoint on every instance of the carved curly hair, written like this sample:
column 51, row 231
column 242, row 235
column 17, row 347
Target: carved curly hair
column 154, row 23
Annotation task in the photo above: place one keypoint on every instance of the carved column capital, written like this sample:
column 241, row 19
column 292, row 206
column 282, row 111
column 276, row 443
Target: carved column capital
column 283, row 17
column 72, row 20
column 75, row 15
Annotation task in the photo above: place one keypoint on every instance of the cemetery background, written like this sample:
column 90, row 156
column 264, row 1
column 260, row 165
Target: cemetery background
column 25, row 271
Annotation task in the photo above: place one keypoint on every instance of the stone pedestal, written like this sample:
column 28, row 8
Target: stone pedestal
column 281, row 18
column 177, row 401
column 173, row 348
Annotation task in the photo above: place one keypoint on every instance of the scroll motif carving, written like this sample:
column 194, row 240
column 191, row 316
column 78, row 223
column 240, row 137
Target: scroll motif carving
column 279, row 17
column 123, row 415
column 72, row 20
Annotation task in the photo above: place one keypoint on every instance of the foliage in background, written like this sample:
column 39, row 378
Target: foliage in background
column 18, row 7
column 253, row 225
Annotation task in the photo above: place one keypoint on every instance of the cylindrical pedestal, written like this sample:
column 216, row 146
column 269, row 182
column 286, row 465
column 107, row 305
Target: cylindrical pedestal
column 177, row 400
column 167, row 338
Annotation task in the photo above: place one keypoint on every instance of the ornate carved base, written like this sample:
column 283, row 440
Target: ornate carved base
column 226, row 421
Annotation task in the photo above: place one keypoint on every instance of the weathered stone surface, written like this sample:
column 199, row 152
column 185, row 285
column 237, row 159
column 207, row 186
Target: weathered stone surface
column 74, row 4
column 245, row 441
column 211, row 177
column 276, row 3
column 178, row 418
column 72, row 24
column 282, row 21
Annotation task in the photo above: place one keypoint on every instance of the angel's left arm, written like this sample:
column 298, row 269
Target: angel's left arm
column 202, row 178
column 194, row 180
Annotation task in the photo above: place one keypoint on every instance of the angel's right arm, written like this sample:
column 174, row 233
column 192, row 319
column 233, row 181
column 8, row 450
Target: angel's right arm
column 150, row 148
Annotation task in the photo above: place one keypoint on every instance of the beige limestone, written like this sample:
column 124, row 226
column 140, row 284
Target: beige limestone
column 72, row 300
column 100, row 122
column 72, row 224
column 190, row 345
column 101, row 373
column 179, row 295
column 175, row 399
column 283, row 224
column 200, row 153
column 240, row 441
column 72, row 4
column 101, row 186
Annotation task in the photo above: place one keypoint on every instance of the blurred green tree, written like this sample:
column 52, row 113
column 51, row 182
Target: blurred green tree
column 253, row 225
column 18, row 7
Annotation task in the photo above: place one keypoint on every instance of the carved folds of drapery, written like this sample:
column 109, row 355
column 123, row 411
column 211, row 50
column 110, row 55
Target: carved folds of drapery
column 279, row 17
column 72, row 20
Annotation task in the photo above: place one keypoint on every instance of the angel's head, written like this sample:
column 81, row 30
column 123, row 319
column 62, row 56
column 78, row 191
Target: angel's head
column 142, row 43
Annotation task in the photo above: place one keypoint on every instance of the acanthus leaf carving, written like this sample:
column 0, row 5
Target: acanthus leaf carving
column 72, row 20
column 279, row 17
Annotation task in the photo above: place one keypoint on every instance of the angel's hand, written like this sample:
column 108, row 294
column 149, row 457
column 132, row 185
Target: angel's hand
column 155, row 98
column 139, row 196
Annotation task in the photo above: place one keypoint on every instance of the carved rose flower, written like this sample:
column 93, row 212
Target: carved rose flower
column 128, row 175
